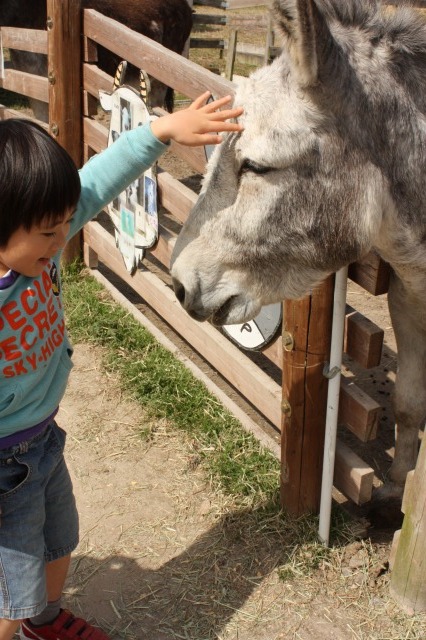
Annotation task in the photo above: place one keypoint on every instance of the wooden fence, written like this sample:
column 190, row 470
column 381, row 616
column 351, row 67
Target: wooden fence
column 246, row 53
column 305, row 395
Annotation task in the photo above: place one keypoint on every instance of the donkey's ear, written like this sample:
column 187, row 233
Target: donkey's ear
column 307, row 34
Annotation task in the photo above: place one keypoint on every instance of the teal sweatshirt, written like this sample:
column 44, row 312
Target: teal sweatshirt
column 35, row 353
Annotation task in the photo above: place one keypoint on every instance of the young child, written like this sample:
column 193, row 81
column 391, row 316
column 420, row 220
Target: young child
column 44, row 201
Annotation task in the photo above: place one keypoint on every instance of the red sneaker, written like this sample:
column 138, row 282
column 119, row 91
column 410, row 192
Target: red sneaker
column 65, row 627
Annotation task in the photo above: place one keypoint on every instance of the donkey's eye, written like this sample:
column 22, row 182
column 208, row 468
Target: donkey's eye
column 253, row 167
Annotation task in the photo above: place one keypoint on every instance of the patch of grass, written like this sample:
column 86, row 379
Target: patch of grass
column 149, row 373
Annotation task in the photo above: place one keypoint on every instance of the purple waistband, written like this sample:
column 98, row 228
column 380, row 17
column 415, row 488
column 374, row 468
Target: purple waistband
column 26, row 434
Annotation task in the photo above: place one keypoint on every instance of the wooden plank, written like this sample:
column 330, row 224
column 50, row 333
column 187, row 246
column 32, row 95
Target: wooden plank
column 250, row 54
column 162, row 251
column 203, row 18
column 90, row 105
column 357, row 411
column 90, row 257
column 241, row 21
column 371, row 273
column 254, row 384
column 90, row 50
column 6, row 113
column 27, row 84
column 175, row 196
column 31, row 40
column 352, row 476
column 219, row 4
column 95, row 80
column 207, row 43
column 408, row 584
column 95, row 134
column 408, row 496
column 394, row 547
column 245, row 4
column 363, row 339
column 274, row 351
column 232, row 51
column 308, row 321
column 174, row 70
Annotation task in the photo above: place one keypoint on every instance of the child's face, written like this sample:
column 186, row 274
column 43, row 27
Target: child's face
column 28, row 252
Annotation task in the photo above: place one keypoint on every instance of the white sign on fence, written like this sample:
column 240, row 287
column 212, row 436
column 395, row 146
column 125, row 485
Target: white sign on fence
column 134, row 212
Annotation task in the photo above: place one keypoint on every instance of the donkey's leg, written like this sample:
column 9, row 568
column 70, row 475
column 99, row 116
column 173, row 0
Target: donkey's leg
column 408, row 315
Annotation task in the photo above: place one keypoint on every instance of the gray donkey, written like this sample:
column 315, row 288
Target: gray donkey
column 331, row 164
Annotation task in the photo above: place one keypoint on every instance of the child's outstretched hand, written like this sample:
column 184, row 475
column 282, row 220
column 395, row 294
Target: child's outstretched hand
column 199, row 124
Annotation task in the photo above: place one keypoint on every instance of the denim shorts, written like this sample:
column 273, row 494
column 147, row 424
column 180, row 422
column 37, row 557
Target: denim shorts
column 39, row 520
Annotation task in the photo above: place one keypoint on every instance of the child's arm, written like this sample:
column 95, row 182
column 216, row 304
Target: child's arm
column 199, row 124
column 110, row 172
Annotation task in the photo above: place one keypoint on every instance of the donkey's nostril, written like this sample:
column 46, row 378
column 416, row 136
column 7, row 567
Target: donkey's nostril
column 179, row 291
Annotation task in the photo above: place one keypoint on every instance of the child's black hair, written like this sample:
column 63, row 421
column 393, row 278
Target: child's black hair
column 39, row 181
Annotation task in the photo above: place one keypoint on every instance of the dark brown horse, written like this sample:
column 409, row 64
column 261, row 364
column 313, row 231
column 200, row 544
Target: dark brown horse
column 168, row 22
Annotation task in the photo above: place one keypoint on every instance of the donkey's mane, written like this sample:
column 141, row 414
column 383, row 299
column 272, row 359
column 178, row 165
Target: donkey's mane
column 403, row 29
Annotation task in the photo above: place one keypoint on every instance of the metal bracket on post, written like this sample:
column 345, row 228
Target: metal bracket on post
column 288, row 341
column 330, row 373
column 286, row 408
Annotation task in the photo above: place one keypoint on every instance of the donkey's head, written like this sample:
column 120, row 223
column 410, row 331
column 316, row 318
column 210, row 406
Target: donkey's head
column 319, row 170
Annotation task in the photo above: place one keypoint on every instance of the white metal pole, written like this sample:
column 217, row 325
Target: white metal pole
column 334, row 374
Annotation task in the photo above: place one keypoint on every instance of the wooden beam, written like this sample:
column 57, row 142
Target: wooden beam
column 371, row 273
column 352, row 476
column 65, row 98
column 363, row 339
column 357, row 411
column 6, row 113
column 408, row 584
column 26, row 84
column 174, row 70
column 308, row 325
column 245, row 4
column 175, row 196
column 31, row 40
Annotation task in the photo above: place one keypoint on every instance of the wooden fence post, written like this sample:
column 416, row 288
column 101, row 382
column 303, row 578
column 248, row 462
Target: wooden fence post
column 306, row 343
column 185, row 51
column 232, row 51
column 64, row 19
column 408, row 582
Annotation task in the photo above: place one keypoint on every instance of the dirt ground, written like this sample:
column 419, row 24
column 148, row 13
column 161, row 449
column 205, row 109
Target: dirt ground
column 163, row 557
